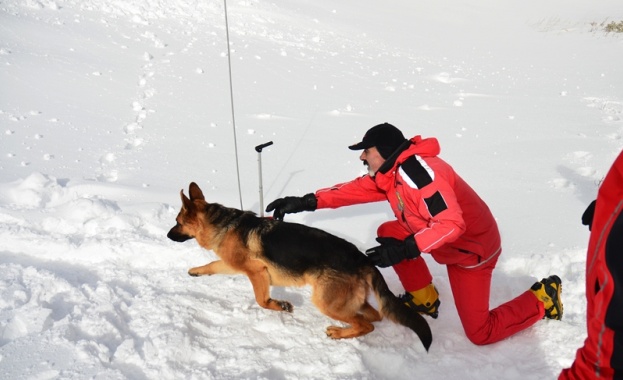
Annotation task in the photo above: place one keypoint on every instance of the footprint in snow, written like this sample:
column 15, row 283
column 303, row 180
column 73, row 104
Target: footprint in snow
column 133, row 143
column 561, row 184
column 446, row 78
column 586, row 171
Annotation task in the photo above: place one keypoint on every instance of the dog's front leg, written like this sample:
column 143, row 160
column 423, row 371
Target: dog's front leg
column 215, row 267
column 260, row 279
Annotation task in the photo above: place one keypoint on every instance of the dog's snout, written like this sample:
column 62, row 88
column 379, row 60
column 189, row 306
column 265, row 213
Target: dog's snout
column 175, row 235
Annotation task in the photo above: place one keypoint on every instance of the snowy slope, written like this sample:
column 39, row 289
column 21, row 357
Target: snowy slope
column 109, row 108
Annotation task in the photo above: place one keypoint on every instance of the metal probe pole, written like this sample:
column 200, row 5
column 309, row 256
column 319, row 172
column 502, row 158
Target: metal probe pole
column 258, row 149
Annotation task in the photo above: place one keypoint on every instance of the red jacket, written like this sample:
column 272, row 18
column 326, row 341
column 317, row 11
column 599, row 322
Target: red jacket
column 447, row 217
column 602, row 354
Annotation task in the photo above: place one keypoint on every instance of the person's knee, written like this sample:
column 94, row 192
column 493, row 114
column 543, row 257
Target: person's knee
column 391, row 229
column 478, row 337
column 383, row 229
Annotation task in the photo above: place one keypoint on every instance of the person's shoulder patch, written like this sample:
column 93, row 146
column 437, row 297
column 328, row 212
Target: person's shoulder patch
column 416, row 172
column 435, row 203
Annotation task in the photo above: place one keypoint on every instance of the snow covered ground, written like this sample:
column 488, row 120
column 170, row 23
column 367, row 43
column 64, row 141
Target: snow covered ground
column 109, row 108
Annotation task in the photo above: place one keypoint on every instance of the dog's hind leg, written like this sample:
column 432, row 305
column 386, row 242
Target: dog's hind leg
column 343, row 301
column 260, row 279
column 369, row 313
column 358, row 327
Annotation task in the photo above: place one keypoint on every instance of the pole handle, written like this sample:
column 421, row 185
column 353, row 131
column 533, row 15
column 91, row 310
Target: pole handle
column 262, row 146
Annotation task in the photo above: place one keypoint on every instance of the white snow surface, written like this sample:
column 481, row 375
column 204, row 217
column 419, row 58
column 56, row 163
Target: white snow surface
column 109, row 108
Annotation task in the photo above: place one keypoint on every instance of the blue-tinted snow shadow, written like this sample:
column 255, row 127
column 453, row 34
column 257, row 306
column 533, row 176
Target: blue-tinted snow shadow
column 585, row 188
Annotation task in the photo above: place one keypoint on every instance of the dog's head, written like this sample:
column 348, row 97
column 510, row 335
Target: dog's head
column 187, row 220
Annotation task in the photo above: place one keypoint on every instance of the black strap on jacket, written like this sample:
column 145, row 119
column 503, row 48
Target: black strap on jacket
column 391, row 160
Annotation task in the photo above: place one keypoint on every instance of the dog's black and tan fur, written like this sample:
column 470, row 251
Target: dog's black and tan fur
column 272, row 252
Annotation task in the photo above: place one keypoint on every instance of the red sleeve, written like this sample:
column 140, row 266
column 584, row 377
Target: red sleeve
column 359, row 190
column 435, row 213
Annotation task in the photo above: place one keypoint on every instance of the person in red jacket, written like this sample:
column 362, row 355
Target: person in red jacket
column 438, row 213
column 601, row 357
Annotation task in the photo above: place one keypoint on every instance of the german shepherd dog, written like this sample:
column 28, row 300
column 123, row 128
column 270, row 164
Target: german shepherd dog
column 272, row 252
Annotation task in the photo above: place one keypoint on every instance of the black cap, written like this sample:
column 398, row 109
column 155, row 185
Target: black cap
column 385, row 137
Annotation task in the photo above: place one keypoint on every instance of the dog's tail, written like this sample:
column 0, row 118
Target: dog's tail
column 396, row 310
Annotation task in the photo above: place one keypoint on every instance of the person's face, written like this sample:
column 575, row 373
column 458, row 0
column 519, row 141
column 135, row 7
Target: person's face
column 372, row 159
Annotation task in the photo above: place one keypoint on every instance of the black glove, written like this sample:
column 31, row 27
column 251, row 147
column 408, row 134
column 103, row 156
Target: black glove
column 289, row 205
column 589, row 213
column 392, row 251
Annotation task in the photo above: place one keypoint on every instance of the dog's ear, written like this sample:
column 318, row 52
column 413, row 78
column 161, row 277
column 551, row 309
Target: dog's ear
column 195, row 192
column 186, row 203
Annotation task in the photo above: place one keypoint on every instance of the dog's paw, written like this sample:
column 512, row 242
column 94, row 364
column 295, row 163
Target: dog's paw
column 334, row 332
column 285, row 306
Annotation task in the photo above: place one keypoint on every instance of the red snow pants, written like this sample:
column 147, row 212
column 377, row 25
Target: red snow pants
column 471, row 289
column 413, row 274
